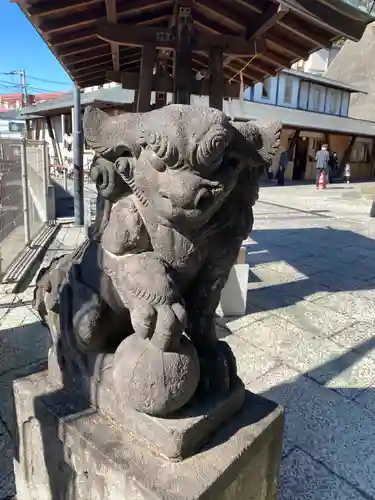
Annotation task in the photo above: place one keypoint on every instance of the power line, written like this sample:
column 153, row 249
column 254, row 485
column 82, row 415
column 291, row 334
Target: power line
column 48, row 81
column 36, row 89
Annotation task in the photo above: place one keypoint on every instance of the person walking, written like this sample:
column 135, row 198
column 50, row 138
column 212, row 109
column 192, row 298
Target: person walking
column 283, row 163
column 333, row 166
column 347, row 173
column 322, row 163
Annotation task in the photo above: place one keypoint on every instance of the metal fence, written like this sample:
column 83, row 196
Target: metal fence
column 25, row 197
column 35, row 156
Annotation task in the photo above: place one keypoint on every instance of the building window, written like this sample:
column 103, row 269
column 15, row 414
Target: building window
column 360, row 153
column 266, row 94
column 316, row 98
column 16, row 127
column 334, row 102
column 288, row 89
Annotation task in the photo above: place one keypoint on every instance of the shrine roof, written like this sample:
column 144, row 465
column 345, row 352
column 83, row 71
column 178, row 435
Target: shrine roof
column 95, row 40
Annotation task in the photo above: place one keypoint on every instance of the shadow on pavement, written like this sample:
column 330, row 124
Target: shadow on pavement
column 320, row 260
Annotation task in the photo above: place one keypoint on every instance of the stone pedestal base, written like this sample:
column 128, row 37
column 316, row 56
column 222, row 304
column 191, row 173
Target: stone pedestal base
column 68, row 452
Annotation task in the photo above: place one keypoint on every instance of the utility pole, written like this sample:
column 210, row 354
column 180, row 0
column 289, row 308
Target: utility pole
column 23, row 86
column 78, row 159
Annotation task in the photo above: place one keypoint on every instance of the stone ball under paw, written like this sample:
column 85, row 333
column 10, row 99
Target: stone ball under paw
column 153, row 381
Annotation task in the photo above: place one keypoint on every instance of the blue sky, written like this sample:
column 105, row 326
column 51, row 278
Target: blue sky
column 23, row 48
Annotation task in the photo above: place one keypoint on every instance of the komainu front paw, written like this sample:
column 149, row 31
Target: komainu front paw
column 218, row 369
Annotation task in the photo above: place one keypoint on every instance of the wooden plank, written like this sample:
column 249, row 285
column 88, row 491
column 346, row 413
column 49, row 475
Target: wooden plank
column 303, row 32
column 216, row 78
column 146, row 78
column 267, row 20
column 82, row 66
column 79, row 19
column 289, row 47
column 110, row 6
column 163, row 38
column 89, row 56
column 328, row 18
column 220, row 14
column 48, row 8
column 130, row 80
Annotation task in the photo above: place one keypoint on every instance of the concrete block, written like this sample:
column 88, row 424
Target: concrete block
column 234, row 294
column 71, row 452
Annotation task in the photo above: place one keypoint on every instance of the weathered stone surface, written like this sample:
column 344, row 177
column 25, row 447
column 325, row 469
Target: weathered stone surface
column 304, row 478
column 176, row 190
column 322, row 359
column 176, row 437
column 338, row 433
column 81, row 455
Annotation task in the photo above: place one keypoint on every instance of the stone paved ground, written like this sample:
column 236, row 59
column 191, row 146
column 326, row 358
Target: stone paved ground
column 307, row 342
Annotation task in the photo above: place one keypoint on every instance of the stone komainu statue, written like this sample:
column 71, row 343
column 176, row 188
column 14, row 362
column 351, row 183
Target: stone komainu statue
column 176, row 187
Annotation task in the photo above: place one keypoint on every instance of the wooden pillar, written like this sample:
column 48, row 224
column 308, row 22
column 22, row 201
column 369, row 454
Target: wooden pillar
column 135, row 102
column 372, row 173
column 347, row 153
column 161, row 70
column 216, row 78
column 145, row 77
column 183, row 54
column 292, row 144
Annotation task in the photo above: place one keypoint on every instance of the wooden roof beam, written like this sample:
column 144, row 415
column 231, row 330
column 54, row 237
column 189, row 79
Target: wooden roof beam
column 76, row 68
column 131, row 8
column 110, row 6
column 323, row 15
column 89, row 56
column 136, row 36
column 164, row 83
column 98, row 14
column 78, row 35
column 275, row 59
column 89, row 17
column 219, row 14
column 305, row 33
column 48, row 8
column 86, row 73
column 287, row 46
column 76, row 61
column 254, row 6
column 272, row 15
column 81, row 48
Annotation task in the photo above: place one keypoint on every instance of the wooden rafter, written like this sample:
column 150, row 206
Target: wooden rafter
column 288, row 30
column 110, row 6
column 313, row 38
column 47, row 8
column 272, row 14
column 135, row 35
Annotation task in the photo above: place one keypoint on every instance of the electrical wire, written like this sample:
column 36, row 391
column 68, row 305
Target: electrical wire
column 30, row 77
column 47, row 81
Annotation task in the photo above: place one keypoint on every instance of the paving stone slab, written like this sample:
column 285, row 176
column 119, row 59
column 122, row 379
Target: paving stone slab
column 360, row 337
column 7, row 487
column 314, row 318
column 325, row 361
column 302, row 478
column 251, row 362
column 23, row 345
column 349, row 304
column 335, row 431
column 270, row 298
column 335, row 281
